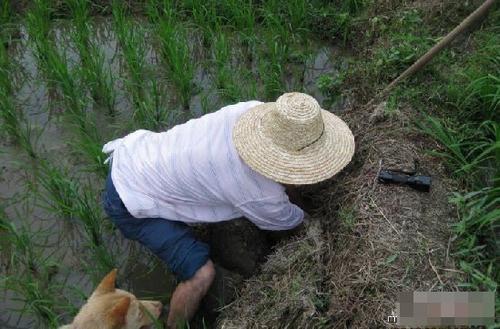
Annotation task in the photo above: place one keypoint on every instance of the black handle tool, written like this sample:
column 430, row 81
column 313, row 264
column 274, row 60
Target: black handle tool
column 418, row 182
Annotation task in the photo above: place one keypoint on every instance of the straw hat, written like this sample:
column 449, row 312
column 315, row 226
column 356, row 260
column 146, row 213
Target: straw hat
column 293, row 140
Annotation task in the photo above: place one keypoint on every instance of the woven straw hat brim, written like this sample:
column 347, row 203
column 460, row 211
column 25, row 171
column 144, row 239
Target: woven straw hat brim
column 315, row 163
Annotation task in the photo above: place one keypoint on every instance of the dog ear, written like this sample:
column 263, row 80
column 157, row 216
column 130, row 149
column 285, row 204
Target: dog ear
column 107, row 284
column 117, row 317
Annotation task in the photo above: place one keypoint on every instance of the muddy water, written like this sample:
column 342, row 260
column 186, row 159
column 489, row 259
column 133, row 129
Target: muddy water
column 62, row 241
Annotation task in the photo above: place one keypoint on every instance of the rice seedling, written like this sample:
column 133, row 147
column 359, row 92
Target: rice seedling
column 77, row 203
column 175, row 52
column 72, row 95
column 146, row 93
column 271, row 67
column 88, row 144
column 58, row 75
column 225, row 75
column 88, row 140
column 31, row 282
column 65, row 197
column 93, row 71
column 241, row 16
column 13, row 122
column 59, row 193
column 298, row 15
column 132, row 45
column 273, row 19
column 50, row 61
column 39, row 301
column 88, row 212
column 203, row 13
column 153, row 111
column 38, row 26
column 23, row 252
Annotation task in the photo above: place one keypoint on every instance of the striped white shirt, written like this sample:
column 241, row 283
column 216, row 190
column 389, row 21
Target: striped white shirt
column 192, row 173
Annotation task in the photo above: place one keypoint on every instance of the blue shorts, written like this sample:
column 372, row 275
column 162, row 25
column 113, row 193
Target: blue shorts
column 172, row 241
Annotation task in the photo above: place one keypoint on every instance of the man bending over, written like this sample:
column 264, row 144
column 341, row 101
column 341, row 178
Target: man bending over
column 235, row 162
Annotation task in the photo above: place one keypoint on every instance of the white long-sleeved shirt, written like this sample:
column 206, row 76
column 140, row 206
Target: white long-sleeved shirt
column 192, row 173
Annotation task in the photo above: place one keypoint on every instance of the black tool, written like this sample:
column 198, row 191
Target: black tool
column 394, row 176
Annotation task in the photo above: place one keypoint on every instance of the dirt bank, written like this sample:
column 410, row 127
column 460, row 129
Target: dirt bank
column 365, row 243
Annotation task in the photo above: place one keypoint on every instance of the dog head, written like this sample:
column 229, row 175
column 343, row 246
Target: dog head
column 111, row 308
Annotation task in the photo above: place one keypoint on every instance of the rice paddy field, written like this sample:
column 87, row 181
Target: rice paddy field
column 75, row 74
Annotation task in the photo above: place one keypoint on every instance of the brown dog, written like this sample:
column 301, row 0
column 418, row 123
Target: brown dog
column 110, row 308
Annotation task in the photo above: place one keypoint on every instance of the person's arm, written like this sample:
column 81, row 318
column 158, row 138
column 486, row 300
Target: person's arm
column 274, row 213
column 274, row 237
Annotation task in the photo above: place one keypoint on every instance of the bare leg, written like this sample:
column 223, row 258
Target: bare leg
column 188, row 294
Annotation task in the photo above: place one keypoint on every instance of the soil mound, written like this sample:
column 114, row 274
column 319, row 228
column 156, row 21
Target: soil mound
column 365, row 243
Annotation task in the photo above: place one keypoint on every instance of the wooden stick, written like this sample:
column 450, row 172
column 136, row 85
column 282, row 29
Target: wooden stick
column 480, row 12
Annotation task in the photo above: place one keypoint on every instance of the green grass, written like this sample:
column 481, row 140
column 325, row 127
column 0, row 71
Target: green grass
column 469, row 131
column 458, row 97
column 338, row 20
column 469, row 148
